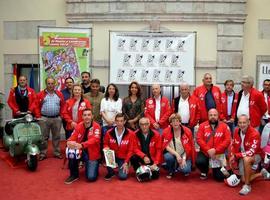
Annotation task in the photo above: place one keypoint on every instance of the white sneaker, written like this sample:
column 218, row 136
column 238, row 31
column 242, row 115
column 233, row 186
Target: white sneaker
column 245, row 190
column 265, row 174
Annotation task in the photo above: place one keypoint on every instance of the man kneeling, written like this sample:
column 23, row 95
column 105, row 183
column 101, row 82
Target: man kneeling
column 84, row 143
column 147, row 148
column 246, row 152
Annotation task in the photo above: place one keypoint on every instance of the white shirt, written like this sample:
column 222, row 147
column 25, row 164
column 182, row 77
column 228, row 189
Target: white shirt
column 183, row 110
column 119, row 137
column 266, row 115
column 157, row 110
column 230, row 103
column 242, row 141
column 243, row 107
column 111, row 108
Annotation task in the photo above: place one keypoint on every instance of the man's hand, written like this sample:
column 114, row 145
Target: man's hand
column 18, row 113
column 79, row 146
column 212, row 153
column 146, row 160
column 153, row 167
column 179, row 159
column 125, row 168
column 73, row 124
column 71, row 144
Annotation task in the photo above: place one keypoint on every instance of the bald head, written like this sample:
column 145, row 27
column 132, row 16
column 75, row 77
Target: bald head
column 156, row 90
column 213, row 116
column 243, row 122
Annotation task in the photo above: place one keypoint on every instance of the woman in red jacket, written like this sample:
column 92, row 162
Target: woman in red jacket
column 178, row 142
column 74, row 108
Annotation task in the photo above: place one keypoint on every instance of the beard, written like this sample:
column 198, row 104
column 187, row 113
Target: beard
column 213, row 121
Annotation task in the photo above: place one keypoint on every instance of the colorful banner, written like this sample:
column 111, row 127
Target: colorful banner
column 163, row 58
column 63, row 52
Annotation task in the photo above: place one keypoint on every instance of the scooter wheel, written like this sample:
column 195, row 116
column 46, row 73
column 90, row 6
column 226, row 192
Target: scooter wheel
column 32, row 162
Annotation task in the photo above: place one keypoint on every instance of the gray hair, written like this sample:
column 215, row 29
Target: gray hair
column 249, row 79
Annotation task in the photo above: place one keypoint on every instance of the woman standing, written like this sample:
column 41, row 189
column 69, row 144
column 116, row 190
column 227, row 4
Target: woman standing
column 110, row 106
column 133, row 106
column 74, row 108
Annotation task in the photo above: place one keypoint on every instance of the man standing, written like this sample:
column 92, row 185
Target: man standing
column 246, row 152
column 250, row 102
column 120, row 140
column 228, row 104
column 86, row 81
column 187, row 107
column 266, row 94
column 69, row 82
column 157, row 109
column 209, row 97
column 95, row 97
column 85, row 138
column 50, row 105
column 147, row 148
column 21, row 98
column 214, row 138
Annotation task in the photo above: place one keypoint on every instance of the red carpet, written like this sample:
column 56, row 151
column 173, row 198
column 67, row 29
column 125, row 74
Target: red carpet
column 47, row 183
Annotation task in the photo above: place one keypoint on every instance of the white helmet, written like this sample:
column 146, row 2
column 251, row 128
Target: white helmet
column 143, row 173
column 232, row 180
column 73, row 153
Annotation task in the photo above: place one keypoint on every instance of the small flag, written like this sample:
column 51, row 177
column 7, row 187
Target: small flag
column 15, row 75
column 32, row 82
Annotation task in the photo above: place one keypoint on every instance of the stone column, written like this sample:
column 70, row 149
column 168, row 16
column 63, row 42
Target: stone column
column 229, row 51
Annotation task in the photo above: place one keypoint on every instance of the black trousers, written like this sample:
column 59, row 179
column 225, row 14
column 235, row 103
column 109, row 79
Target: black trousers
column 136, row 162
column 202, row 163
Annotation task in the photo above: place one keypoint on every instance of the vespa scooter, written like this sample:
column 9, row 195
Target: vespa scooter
column 22, row 136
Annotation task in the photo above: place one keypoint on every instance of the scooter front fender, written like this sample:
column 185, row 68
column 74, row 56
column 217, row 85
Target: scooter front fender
column 32, row 149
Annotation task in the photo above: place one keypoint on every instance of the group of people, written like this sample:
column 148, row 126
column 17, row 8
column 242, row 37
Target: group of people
column 226, row 127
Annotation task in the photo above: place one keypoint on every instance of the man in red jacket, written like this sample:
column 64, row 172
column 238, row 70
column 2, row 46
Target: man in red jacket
column 187, row 106
column 250, row 102
column 157, row 109
column 120, row 140
column 214, row 138
column 228, row 104
column 209, row 97
column 266, row 93
column 49, row 107
column 85, row 139
column 246, row 151
column 22, row 98
column 147, row 148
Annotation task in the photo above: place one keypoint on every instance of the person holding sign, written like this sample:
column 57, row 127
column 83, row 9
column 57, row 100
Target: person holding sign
column 120, row 140
column 84, row 144
column 214, row 138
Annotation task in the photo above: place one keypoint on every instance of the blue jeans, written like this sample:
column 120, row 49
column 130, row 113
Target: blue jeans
column 91, row 167
column 121, row 174
column 172, row 164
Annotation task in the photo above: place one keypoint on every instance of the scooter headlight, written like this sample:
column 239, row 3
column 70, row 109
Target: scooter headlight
column 28, row 118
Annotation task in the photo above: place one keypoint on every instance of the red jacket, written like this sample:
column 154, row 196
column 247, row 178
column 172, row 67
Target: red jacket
column 165, row 111
column 252, row 143
column 92, row 144
column 13, row 104
column 125, row 149
column 154, row 146
column 224, row 106
column 194, row 109
column 257, row 106
column 200, row 92
column 220, row 140
column 39, row 101
column 186, row 139
column 268, row 103
column 67, row 114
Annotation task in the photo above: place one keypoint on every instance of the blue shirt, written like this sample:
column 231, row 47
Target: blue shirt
column 51, row 105
column 66, row 94
column 229, row 103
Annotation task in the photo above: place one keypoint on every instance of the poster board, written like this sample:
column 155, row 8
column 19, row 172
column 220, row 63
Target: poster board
column 63, row 52
column 263, row 72
column 148, row 58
